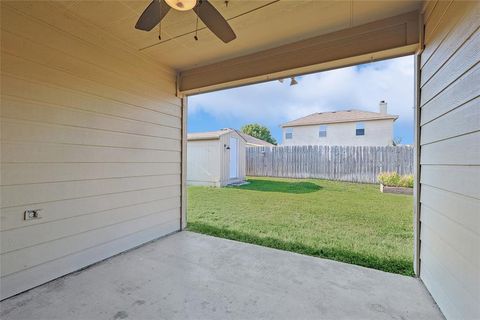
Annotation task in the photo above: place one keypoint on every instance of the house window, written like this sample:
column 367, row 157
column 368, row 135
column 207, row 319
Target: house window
column 322, row 132
column 360, row 129
column 289, row 133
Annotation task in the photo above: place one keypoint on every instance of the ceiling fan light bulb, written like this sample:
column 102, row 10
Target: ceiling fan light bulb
column 182, row 5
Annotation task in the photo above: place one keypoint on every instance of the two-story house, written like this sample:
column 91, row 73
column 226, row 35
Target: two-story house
column 347, row 128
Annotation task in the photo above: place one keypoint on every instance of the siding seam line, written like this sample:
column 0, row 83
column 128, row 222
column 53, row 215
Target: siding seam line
column 85, row 197
column 89, row 92
column 99, row 66
column 451, row 110
column 49, row 66
column 99, row 244
column 451, row 220
column 89, row 230
column 449, row 138
column 23, row 142
column 89, row 213
column 82, row 180
column 451, row 83
column 456, row 193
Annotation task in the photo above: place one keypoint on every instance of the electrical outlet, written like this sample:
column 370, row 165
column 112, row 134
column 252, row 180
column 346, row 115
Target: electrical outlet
column 32, row 214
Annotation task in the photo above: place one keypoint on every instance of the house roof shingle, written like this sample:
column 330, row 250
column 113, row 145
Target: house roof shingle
column 338, row 117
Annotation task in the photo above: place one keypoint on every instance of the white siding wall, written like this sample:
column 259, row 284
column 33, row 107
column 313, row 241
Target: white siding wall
column 90, row 134
column 450, row 157
column 225, row 158
column 377, row 133
column 203, row 163
column 209, row 161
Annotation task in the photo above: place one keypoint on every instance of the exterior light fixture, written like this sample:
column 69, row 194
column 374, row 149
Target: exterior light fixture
column 182, row 5
column 293, row 81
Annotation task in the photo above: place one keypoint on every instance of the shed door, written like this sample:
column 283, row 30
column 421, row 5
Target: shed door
column 233, row 158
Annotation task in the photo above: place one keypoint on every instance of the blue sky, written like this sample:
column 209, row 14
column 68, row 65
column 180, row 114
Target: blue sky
column 273, row 103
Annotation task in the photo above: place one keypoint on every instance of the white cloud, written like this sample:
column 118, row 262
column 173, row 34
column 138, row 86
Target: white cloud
column 359, row 87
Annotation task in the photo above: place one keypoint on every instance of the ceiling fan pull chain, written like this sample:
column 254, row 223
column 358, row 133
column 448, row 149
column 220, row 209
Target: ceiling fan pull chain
column 160, row 23
column 196, row 26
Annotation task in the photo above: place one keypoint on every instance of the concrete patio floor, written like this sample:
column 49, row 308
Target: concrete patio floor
column 189, row 275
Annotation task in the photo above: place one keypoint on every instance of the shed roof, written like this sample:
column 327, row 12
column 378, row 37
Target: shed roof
column 338, row 117
column 209, row 135
column 212, row 135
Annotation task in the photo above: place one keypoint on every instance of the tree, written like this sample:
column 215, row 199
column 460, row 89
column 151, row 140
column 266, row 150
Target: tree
column 258, row 131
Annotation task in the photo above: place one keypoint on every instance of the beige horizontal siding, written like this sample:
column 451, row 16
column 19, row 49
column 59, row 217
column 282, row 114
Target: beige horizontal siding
column 28, row 152
column 91, row 135
column 76, row 207
column 37, row 173
column 458, row 179
column 463, row 242
column 428, row 8
column 459, row 208
column 463, row 90
column 42, row 273
column 452, row 151
column 450, row 157
column 44, row 252
column 30, row 131
column 451, row 259
column 434, row 18
column 17, row 239
column 451, row 27
column 464, row 307
column 75, row 38
column 29, row 194
column 27, row 110
column 466, row 57
column 462, row 120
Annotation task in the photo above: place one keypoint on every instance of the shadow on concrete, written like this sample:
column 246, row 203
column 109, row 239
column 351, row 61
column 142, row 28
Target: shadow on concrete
column 296, row 187
column 388, row 264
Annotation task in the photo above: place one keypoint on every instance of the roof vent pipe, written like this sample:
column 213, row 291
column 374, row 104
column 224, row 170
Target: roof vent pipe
column 383, row 107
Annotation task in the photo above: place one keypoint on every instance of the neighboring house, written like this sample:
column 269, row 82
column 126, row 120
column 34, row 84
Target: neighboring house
column 215, row 158
column 347, row 128
column 254, row 142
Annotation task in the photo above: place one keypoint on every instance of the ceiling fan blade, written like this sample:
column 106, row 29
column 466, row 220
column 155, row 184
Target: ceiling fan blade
column 214, row 21
column 152, row 15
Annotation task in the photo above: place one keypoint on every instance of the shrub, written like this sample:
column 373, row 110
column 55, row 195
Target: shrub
column 393, row 179
column 406, row 181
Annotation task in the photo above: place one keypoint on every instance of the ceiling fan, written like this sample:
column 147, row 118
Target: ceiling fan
column 210, row 16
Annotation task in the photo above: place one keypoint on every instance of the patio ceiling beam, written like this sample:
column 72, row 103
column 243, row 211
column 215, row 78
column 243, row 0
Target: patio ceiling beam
column 386, row 38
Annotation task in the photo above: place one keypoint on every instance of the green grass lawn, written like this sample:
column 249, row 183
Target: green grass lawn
column 348, row 222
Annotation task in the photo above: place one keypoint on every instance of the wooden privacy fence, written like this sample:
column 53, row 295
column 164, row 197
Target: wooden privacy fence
column 345, row 163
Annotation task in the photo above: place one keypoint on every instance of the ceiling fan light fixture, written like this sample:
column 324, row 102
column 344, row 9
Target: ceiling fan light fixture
column 182, row 5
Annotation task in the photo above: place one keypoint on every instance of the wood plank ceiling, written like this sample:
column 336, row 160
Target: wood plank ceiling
column 259, row 25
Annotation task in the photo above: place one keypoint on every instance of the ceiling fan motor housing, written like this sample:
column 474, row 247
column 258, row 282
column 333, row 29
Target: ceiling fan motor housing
column 204, row 10
column 182, row 5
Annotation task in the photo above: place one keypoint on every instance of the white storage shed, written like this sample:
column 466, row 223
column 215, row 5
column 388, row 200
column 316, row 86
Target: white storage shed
column 215, row 158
